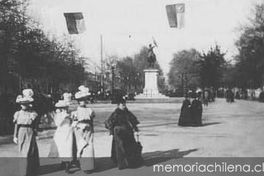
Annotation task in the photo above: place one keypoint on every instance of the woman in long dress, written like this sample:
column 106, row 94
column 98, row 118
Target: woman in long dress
column 25, row 134
column 63, row 136
column 196, row 111
column 84, row 131
column 185, row 114
column 122, row 124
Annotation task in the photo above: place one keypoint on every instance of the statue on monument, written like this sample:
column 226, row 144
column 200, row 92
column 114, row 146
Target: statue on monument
column 151, row 56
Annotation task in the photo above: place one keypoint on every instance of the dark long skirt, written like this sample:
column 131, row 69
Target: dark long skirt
column 185, row 115
column 196, row 112
column 123, row 147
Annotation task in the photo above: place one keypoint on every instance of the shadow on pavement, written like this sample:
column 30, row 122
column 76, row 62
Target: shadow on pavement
column 156, row 125
column 150, row 159
column 209, row 124
column 104, row 163
column 157, row 157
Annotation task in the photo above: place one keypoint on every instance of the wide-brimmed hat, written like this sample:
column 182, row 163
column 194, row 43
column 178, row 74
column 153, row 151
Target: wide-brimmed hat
column 26, row 97
column 28, row 93
column 62, row 104
column 83, row 93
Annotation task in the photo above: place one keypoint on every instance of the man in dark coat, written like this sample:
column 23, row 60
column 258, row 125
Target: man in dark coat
column 261, row 96
column 122, row 124
column 196, row 111
column 185, row 115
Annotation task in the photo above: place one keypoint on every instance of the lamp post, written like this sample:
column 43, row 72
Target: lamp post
column 113, row 78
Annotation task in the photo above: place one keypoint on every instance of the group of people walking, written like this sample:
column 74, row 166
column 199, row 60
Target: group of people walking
column 230, row 96
column 191, row 111
column 73, row 138
column 75, row 131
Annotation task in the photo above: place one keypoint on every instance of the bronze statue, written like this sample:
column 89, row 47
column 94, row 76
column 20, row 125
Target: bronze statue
column 151, row 56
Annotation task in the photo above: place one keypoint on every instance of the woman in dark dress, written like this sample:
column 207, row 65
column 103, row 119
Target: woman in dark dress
column 196, row 111
column 122, row 124
column 185, row 115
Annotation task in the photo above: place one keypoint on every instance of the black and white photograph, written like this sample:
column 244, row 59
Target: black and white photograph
column 131, row 87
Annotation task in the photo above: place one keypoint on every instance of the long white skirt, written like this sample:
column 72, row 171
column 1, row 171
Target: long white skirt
column 63, row 138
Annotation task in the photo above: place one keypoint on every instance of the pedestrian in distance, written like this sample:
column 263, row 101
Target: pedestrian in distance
column 261, row 96
column 229, row 96
column 185, row 114
column 206, row 97
column 196, row 111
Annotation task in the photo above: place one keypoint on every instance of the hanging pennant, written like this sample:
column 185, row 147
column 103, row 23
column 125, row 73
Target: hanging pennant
column 75, row 22
column 175, row 13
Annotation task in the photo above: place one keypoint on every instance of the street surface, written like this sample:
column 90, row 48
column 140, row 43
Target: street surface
column 230, row 130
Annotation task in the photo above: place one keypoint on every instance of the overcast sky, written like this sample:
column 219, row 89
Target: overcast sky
column 206, row 22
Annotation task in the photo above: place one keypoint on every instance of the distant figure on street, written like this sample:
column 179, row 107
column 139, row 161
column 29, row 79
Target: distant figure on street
column 237, row 95
column 122, row 124
column 206, row 97
column 196, row 111
column 261, row 96
column 185, row 115
column 230, row 96
column 212, row 94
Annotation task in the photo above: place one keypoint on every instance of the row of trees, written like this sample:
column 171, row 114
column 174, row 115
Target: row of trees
column 249, row 68
column 192, row 69
column 29, row 57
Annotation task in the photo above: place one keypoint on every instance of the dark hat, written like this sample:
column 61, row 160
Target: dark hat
column 120, row 100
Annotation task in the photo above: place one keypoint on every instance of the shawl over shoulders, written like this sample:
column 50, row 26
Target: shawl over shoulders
column 121, row 117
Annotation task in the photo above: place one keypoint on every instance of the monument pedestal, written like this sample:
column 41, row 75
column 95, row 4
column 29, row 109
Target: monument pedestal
column 151, row 86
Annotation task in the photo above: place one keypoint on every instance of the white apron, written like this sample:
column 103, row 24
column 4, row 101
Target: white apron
column 63, row 136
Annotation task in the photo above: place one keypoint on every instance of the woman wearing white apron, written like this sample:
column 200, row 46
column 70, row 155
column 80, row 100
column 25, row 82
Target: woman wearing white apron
column 84, row 131
column 63, row 136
